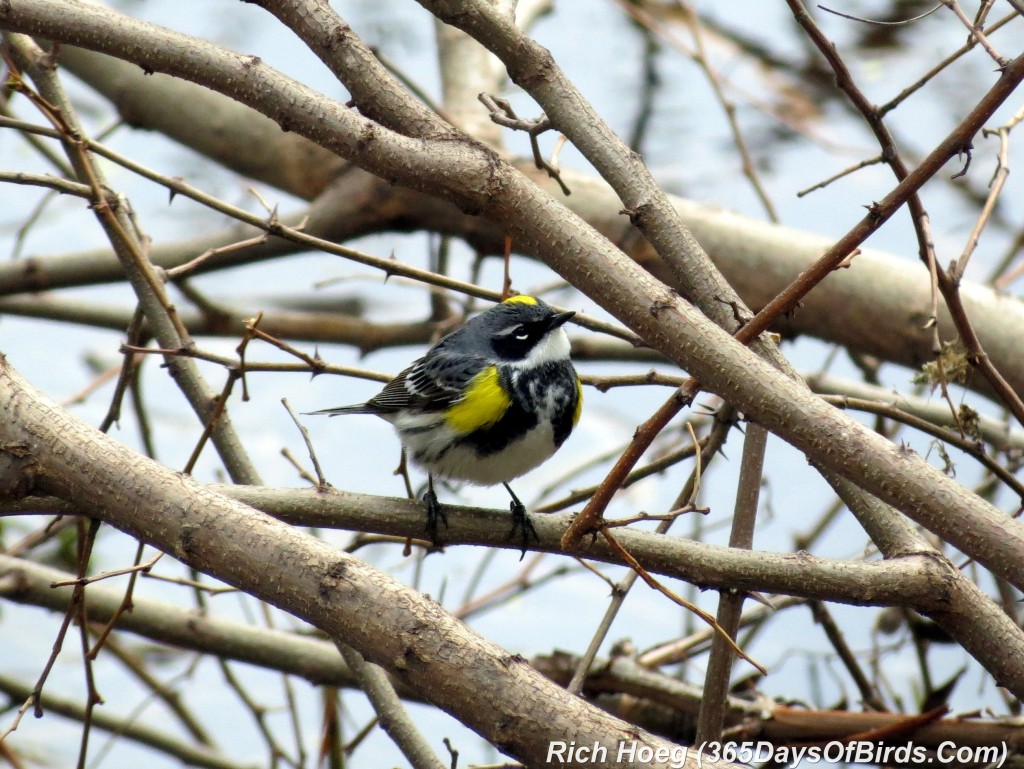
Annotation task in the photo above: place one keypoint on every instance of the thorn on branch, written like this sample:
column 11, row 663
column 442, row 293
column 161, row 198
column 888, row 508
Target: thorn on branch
column 737, row 314
column 666, row 302
column 965, row 150
column 848, row 260
column 874, row 211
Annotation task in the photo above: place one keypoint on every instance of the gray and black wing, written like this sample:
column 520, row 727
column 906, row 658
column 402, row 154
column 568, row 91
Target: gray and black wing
column 432, row 383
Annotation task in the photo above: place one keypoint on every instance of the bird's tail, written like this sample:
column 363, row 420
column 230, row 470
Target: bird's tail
column 358, row 408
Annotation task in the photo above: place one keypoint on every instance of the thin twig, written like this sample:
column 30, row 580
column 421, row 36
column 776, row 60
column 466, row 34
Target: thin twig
column 321, row 481
column 729, row 108
column 881, row 23
column 630, row 561
column 145, row 567
column 976, row 32
column 503, row 114
column 909, row 184
column 730, row 603
column 273, row 227
column 185, row 752
column 712, row 446
column 845, row 172
column 958, row 269
column 927, row 77
column 868, row 692
column 392, row 714
column 590, row 517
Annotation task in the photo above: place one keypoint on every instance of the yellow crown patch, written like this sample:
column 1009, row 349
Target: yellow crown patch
column 520, row 299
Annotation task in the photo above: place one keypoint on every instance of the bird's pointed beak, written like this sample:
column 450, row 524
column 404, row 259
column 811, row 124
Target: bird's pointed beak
column 560, row 319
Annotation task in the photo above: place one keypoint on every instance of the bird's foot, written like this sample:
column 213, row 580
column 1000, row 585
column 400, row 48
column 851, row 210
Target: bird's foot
column 521, row 523
column 435, row 513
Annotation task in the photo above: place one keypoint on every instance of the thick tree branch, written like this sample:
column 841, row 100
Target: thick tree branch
column 126, row 728
column 319, row 662
column 497, row 695
column 223, row 130
column 758, row 259
column 472, row 177
column 915, row 582
column 127, row 243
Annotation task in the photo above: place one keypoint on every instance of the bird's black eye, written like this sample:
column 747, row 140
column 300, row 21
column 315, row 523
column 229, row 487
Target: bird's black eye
column 515, row 340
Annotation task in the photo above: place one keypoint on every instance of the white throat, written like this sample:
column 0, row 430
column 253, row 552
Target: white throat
column 553, row 348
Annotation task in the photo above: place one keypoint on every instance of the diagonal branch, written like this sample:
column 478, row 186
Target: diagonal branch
column 498, row 696
column 476, row 179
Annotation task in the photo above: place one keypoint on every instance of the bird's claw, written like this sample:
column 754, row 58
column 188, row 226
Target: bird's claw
column 435, row 513
column 521, row 522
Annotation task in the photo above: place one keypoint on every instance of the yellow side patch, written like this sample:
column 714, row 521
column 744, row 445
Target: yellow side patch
column 520, row 299
column 579, row 402
column 482, row 404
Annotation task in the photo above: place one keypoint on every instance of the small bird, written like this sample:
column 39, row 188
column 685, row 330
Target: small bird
column 489, row 402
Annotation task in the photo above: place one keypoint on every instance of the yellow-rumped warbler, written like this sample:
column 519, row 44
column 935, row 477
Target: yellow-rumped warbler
column 487, row 403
